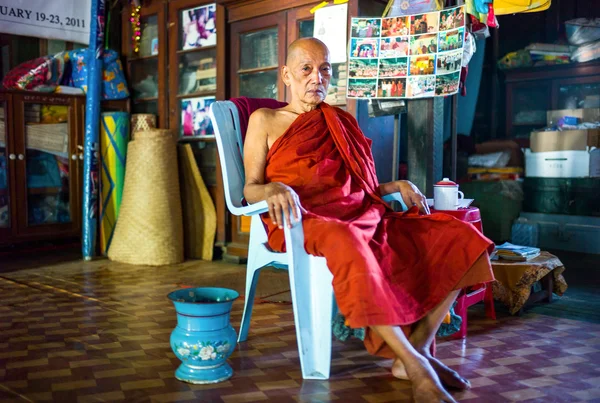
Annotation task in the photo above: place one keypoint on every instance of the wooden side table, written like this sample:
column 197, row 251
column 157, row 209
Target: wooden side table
column 514, row 281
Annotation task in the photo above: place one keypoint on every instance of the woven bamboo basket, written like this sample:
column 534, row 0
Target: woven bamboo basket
column 142, row 122
column 149, row 229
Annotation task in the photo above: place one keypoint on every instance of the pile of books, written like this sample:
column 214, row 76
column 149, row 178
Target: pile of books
column 516, row 253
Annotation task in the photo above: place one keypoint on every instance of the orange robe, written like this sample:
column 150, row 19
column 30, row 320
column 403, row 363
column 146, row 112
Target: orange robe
column 388, row 268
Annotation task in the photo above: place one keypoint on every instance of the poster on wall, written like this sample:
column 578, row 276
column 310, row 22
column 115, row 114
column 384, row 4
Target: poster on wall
column 411, row 56
column 198, row 28
column 67, row 20
column 330, row 27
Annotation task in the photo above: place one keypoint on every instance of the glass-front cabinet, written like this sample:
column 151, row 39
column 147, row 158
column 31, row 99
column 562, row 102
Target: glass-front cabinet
column 47, row 159
column 146, row 60
column 531, row 92
column 39, row 165
column 193, row 33
column 257, row 51
column 7, row 157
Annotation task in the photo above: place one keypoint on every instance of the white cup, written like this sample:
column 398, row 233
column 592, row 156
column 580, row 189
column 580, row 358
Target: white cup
column 446, row 195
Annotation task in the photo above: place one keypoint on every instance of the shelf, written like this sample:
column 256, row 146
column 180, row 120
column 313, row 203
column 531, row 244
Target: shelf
column 150, row 99
column 197, row 94
column 42, row 191
column 257, row 70
column 200, row 49
column 141, row 58
column 188, row 139
column 542, row 124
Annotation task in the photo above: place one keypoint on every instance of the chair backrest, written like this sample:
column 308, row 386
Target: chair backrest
column 226, row 123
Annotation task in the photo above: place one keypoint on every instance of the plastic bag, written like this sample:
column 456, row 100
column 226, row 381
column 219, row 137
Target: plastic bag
column 586, row 53
column 582, row 30
column 114, row 85
column 41, row 74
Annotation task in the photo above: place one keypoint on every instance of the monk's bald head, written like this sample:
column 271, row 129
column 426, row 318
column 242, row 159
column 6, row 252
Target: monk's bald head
column 307, row 72
column 302, row 45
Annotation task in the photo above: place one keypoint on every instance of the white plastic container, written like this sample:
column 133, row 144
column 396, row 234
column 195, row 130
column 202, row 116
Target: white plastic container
column 557, row 164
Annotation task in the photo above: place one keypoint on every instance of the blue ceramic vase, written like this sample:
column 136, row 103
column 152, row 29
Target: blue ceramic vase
column 203, row 338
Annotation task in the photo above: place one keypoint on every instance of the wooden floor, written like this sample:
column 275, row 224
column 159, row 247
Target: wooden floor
column 99, row 331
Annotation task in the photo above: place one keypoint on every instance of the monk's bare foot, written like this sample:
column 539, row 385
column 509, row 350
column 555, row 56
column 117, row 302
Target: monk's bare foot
column 398, row 370
column 426, row 384
column 449, row 377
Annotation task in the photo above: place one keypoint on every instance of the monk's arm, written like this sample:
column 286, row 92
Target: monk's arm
column 388, row 188
column 255, row 158
column 280, row 198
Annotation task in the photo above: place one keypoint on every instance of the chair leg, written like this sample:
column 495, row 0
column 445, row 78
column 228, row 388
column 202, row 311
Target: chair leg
column 490, row 310
column 251, row 282
column 461, row 310
column 312, row 299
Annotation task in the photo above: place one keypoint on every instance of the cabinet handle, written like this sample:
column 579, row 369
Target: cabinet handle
column 81, row 156
column 73, row 157
column 12, row 156
column 21, row 157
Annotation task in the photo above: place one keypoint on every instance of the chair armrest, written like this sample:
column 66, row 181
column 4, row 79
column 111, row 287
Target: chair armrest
column 396, row 196
column 251, row 209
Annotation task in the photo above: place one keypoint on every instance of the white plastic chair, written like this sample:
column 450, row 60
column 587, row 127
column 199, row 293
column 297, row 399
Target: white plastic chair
column 310, row 279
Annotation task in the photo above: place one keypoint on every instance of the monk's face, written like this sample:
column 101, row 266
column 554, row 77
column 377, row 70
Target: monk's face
column 307, row 72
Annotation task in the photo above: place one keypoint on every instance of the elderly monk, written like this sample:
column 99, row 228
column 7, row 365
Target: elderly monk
column 395, row 274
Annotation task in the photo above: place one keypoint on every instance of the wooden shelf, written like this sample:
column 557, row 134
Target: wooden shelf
column 257, row 70
column 543, row 124
column 142, row 58
column 197, row 94
column 150, row 99
column 189, row 139
column 194, row 50
column 42, row 191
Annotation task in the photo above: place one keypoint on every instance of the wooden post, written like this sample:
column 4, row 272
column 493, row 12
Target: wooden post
column 425, row 142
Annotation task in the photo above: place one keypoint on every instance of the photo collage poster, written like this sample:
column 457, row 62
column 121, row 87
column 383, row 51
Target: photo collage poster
column 411, row 56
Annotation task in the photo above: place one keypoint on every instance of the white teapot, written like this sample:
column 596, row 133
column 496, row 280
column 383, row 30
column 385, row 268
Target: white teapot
column 446, row 195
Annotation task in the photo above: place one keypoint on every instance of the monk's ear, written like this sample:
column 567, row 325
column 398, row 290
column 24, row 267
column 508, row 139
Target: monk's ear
column 285, row 75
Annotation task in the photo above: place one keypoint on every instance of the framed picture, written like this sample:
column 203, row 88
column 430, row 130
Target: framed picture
column 195, row 117
column 198, row 27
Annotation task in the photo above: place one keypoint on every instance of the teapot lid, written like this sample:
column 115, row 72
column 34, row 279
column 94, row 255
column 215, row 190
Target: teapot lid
column 446, row 182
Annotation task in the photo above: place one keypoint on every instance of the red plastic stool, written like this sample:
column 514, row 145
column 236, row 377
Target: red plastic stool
column 474, row 294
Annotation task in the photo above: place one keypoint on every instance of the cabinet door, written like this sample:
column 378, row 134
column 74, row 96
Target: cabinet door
column 147, row 67
column 526, row 108
column 193, row 56
column 257, row 52
column 7, row 163
column 45, row 132
column 576, row 93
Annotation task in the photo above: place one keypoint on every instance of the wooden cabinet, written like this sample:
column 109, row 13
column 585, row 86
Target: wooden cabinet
column 147, row 68
column 40, row 169
column 531, row 92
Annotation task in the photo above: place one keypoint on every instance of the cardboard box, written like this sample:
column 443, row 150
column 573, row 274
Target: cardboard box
column 557, row 164
column 586, row 115
column 575, row 140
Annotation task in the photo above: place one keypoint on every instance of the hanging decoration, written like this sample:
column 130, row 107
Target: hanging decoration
column 136, row 30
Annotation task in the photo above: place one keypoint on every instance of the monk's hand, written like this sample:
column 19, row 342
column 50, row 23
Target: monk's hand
column 412, row 196
column 281, row 200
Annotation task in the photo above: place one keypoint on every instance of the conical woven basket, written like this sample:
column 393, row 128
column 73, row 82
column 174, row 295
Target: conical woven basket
column 149, row 229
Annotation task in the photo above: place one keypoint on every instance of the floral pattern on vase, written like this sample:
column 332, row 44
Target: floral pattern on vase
column 203, row 351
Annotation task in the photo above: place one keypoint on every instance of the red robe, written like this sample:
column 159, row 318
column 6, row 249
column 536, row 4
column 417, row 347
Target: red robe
column 388, row 268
